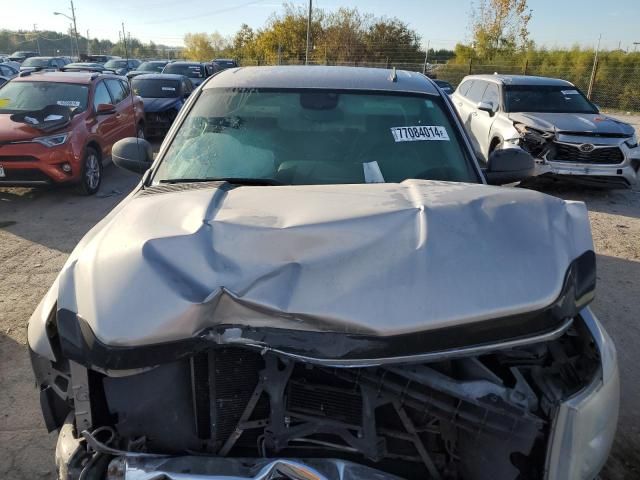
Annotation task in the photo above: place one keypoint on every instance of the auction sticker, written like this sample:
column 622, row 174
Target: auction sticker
column 420, row 133
column 68, row 103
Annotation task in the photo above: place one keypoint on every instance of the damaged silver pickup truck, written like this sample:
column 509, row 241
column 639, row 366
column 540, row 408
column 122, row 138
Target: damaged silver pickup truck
column 313, row 281
column 551, row 119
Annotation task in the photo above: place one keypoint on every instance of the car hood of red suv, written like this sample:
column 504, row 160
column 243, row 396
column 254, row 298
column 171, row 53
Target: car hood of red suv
column 12, row 131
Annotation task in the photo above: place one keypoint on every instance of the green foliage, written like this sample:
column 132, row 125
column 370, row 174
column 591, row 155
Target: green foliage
column 345, row 36
column 500, row 27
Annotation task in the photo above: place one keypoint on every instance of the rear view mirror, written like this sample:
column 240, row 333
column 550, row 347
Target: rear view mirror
column 509, row 165
column 133, row 154
column 488, row 107
column 105, row 109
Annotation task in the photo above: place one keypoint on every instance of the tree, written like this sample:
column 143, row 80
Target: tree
column 499, row 27
column 197, row 46
column 393, row 40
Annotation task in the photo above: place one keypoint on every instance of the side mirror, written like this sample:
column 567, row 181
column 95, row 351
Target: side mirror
column 105, row 109
column 509, row 165
column 597, row 107
column 488, row 107
column 133, row 154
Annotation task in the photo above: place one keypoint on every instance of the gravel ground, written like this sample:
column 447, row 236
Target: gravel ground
column 38, row 229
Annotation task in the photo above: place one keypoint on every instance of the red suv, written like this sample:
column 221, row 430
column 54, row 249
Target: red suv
column 41, row 142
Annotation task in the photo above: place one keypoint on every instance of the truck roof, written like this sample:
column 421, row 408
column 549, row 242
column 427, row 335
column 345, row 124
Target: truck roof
column 323, row 77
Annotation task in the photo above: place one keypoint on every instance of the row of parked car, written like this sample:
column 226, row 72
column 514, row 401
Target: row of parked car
column 58, row 122
column 549, row 118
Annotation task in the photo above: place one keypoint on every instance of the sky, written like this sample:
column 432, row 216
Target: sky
column 555, row 23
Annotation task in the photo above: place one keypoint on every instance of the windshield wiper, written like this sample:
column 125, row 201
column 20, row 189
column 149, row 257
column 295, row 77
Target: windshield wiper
column 234, row 180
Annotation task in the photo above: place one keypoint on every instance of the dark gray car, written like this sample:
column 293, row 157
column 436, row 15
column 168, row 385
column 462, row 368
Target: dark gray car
column 554, row 121
column 313, row 281
column 195, row 71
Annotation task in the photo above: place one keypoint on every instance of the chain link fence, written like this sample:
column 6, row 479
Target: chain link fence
column 613, row 87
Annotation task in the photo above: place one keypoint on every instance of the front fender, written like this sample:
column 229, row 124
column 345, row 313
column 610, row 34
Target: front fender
column 37, row 329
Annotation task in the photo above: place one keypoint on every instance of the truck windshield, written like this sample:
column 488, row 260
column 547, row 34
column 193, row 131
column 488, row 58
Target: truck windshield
column 297, row 137
column 546, row 99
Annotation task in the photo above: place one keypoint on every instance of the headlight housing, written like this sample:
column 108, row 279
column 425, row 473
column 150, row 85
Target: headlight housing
column 52, row 140
column 632, row 142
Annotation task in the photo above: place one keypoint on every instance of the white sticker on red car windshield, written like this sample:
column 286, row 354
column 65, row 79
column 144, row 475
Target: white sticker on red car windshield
column 570, row 92
column 420, row 133
column 68, row 103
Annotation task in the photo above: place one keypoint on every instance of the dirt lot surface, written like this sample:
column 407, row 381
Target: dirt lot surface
column 38, row 230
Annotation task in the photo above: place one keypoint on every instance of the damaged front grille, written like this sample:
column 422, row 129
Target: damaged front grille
column 461, row 418
column 598, row 155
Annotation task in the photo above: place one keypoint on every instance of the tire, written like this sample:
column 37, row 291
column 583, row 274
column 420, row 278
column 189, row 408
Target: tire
column 91, row 172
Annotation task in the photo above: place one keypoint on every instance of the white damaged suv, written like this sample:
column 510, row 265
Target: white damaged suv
column 314, row 281
column 554, row 121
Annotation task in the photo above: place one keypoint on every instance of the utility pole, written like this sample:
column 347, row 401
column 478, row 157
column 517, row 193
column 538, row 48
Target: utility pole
column 124, row 41
column 306, row 55
column 72, row 28
column 426, row 57
column 35, row 29
column 71, row 40
column 594, row 69
column 88, row 44
column 75, row 28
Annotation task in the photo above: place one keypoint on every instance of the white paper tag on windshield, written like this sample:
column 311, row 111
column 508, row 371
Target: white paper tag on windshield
column 570, row 92
column 420, row 133
column 169, row 89
column 68, row 103
column 372, row 173
column 52, row 118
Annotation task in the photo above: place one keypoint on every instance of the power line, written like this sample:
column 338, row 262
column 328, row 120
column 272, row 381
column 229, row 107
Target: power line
column 205, row 15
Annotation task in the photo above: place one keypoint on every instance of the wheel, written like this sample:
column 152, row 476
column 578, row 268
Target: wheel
column 91, row 172
column 140, row 132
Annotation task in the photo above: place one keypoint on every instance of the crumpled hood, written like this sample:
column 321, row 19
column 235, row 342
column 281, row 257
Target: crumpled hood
column 377, row 259
column 152, row 105
column 573, row 122
column 11, row 131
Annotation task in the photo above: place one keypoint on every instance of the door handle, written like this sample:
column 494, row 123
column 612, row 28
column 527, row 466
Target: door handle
column 118, row 115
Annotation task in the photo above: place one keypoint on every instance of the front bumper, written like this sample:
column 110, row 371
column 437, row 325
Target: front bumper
column 157, row 124
column 578, row 444
column 208, row 468
column 624, row 173
column 32, row 164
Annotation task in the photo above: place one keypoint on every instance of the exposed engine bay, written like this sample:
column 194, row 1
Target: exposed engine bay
column 473, row 417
